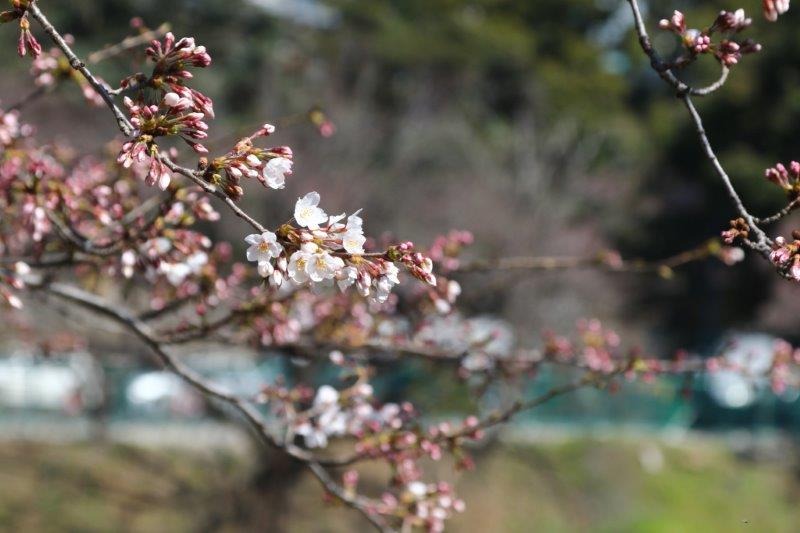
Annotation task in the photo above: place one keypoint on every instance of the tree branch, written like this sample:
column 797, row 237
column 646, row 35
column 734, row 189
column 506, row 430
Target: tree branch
column 601, row 261
column 247, row 410
column 663, row 68
column 762, row 243
column 122, row 122
column 128, row 43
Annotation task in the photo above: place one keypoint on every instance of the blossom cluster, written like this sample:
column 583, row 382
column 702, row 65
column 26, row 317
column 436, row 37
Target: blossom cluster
column 11, row 129
column 270, row 166
column 422, row 505
column 322, row 251
column 786, row 256
column 171, row 117
column 170, row 73
column 787, row 179
column 26, row 40
column 176, row 110
column 388, row 432
column 697, row 42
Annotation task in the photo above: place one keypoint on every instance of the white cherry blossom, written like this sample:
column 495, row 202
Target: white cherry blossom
column 263, row 247
column 353, row 242
column 355, row 222
column 346, row 277
column 307, row 213
column 418, row 489
column 265, row 269
column 323, row 266
column 177, row 273
column 276, row 170
column 297, row 266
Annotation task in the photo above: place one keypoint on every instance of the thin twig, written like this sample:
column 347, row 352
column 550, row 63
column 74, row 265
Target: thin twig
column 762, row 242
column 663, row 68
column 36, row 93
column 215, row 191
column 684, row 92
column 128, row 43
column 780, row 214
column 601, row 261
column 84, row 245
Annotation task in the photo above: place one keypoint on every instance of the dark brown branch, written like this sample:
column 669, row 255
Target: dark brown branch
column 214, row 191
column 245, row 409
column 82, row 244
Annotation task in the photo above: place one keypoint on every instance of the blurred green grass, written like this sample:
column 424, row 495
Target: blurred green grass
column 573, row 486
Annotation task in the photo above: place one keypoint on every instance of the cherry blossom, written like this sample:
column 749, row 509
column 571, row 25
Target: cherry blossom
column 263, row 247
column 773, row 8
column 269, row 165
column 307, row 212
column 275, row 172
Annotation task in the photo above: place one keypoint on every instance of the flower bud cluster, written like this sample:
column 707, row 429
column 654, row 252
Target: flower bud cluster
column 446, row 249
column 598, row 349
column 172, row 60
column 787, row 179
column 26, row 40
column 173, row 116
column 739, row 229
column 697, row 42
column 270, row 166
column 178, row 110
column 786, row 256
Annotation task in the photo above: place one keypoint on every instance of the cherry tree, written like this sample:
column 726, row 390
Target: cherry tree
column 317, row 287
